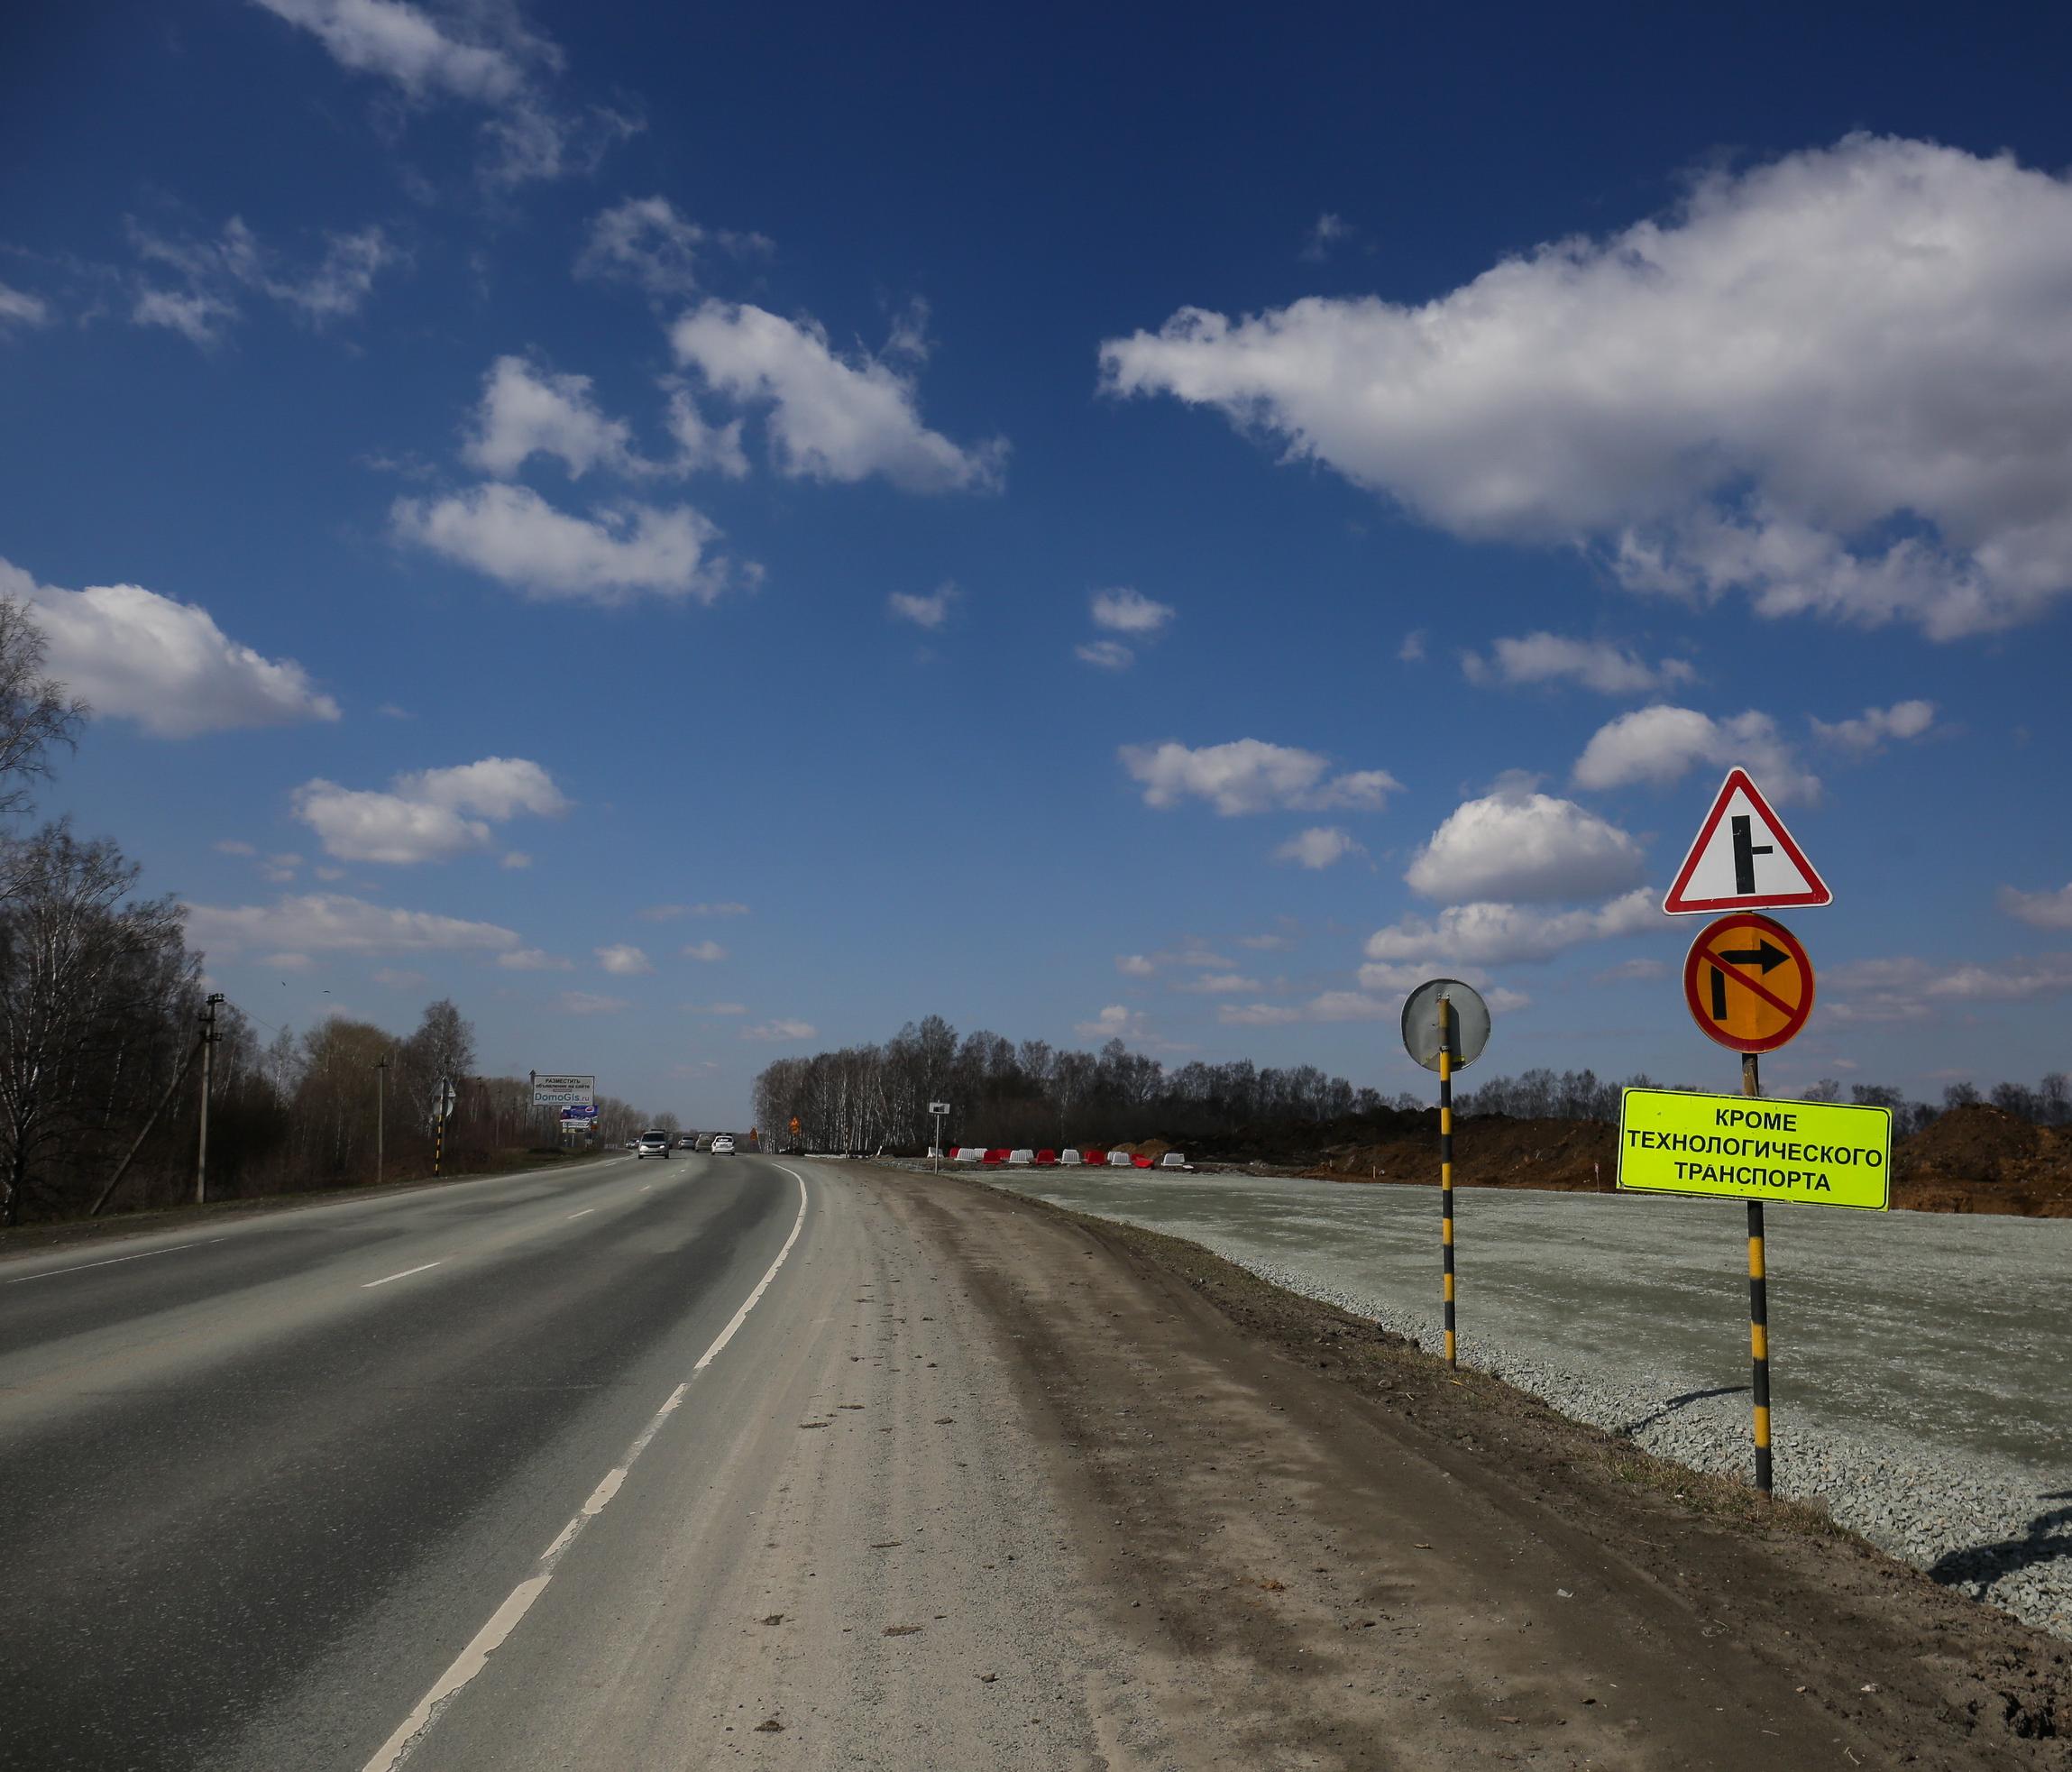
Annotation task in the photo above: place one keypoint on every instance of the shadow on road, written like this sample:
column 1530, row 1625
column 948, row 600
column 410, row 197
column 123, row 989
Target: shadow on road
column 1977, row 1567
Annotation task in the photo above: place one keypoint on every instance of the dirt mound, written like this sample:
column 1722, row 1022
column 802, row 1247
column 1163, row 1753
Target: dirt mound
column 1490, row 1150
column 1980, row 1158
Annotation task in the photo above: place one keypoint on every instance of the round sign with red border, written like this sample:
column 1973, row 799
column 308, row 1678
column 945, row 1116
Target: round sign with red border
column 1748, row 982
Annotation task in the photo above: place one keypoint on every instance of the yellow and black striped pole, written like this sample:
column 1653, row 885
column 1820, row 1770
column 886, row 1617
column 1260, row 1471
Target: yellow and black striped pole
column 1446, row 1165
column 1758, row 1306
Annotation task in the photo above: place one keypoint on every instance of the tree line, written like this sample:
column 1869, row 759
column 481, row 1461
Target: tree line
column 102, row 1017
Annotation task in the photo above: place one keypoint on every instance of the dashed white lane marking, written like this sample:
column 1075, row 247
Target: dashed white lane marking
column 644, row 1187
column 115, row 1261
column 472, row 1659
column 584, row 1213
column 406, row 1273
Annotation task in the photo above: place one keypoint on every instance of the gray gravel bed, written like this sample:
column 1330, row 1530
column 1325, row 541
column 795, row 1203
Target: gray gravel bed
column 1937, row 1433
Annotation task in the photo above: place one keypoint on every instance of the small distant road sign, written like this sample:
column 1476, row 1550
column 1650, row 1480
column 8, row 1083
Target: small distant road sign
column 1744, row 859
column 1470, row 1015
column 1753, row 1147
column 1748, row 982
column 939, row 1108
column 583, row 1113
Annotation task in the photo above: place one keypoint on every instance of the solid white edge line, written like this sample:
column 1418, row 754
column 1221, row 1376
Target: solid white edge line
column 115, row 1261
column 472, row 1659
column 406, row 1273
column 584, row 1213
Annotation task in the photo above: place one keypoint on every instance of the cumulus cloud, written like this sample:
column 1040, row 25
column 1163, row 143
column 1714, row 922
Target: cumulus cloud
column 1106, row 654
column 2040, row 910
column 706, row 952
column 1659, row 745
column 479, row 54
column 646, row 242
column 1869, row 730
column 780, row 1030
column 930, row 611
column 1257, row 1015
column 333, row 922
column 20, row 309
column 1347, row 1005
column 1249, row 775
column 213, row 276
column 1318, row 847
column 1412, row 650
column 1496, row 934
column 1909, row 989
column 1135, row 966
column 1219, row 983
column 1116, row 1022
column 134, row 655
column 829, row 417
column 512, row 535
column 1797, row 384
column 526, row 410
column 622, row 959
column 1127, row 612
column 1517, row 844
column 1598, row 664
column 429, row 816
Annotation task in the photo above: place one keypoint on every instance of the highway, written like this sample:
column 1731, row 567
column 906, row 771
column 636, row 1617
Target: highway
column 733, row 1459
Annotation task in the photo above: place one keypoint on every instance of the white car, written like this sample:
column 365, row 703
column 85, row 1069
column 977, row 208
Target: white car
column 722, row 1145
column 651, row 1144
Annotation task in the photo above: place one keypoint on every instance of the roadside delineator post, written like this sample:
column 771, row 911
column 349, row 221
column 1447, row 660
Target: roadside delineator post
column 1445, row 1026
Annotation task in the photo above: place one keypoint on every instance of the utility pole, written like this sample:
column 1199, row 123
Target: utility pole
column 208, row 1039
column 380, row 1079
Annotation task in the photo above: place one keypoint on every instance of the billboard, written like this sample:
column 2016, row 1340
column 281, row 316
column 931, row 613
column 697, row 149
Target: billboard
column 563, row 1091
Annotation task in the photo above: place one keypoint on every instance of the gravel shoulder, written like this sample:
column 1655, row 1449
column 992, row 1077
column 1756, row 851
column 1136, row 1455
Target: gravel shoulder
column 1322, row 1549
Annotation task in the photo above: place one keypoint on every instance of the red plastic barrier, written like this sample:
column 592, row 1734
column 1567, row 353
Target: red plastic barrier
column 1044, row 1159
column 1140, row 1162
column 1096, row 1158
column 995, row 1159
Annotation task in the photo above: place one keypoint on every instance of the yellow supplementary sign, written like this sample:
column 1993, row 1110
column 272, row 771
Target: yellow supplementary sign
column 1749, row 1147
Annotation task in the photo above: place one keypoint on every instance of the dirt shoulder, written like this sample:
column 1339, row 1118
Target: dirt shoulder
column 1330, row 1552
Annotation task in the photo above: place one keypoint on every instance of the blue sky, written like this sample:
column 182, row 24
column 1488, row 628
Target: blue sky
column 704, row 536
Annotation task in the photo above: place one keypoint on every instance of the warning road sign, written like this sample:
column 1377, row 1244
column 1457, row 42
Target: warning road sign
column 1744, row 859
column 1748, row 982
column 1746, row 1147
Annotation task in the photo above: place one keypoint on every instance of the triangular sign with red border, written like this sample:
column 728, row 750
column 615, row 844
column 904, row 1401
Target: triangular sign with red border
column 1744, row 859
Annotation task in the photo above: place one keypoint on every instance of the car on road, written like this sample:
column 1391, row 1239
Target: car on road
column 722, row 1145
column 651, row 1144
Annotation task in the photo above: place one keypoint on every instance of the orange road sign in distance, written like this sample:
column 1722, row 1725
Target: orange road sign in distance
column 1748, row 982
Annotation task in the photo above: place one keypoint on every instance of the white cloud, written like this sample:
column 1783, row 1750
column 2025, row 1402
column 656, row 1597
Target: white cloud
column 215, row 273
column 780, row 1030
column 534, row 959
column 624, row 960
column 1325, row 233
column 527, row 411
column 20, row 309
column 332, row 923
column 430, row 815
column 1797, row 384
column 831, row 417
column 1906, row 989
column 1496, row 934
column 1257, row 1015
column 1632, row 971
column 1106, row 655
column 1412, row 650
column 515, row 860
column 1220, row 983
column 512, row 535
column 2040, row 910
column 705, row 951
column 1598, row 664
column 930, row 611
column 644, row 241
column 1868, row 731
column 1514, row 843
column 1116, row 1022
column 1134, row 966
column 1127, row 612
column 1318, row 847
column 280, row 869
column 134, row 655
column 590, row 1002
column 1659, row 745
column 1248, row 776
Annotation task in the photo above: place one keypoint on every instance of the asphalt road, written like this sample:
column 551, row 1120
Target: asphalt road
column 259, row 1482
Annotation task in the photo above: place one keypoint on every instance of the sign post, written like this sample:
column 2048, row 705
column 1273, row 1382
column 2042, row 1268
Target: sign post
column 1445, row 1024
column 1743, row 861
column 939, row 1111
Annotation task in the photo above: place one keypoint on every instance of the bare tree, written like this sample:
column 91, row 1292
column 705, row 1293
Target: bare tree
column 37, row 713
